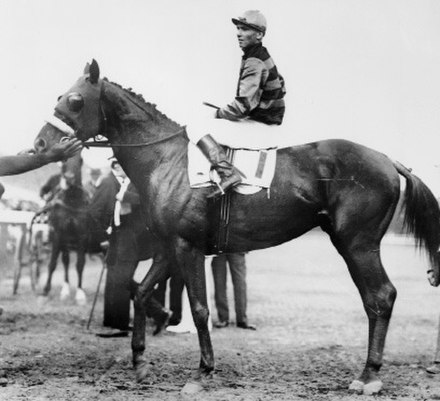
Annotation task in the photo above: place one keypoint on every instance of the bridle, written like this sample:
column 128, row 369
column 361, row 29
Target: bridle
column 71, row 133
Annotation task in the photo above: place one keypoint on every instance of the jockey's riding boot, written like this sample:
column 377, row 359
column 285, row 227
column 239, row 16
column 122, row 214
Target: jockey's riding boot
column 229, row 175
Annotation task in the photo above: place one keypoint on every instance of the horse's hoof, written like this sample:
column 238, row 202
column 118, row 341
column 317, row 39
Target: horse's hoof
column 373, row 387
column 434, row 369
column 356, row 386
column 192, row 388
column 80, row 297
column 65, row 292
column 42, row 299
column 141, row 371
column 432, row 279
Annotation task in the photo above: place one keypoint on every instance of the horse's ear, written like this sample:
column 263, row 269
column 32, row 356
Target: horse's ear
column 94, row 72
column 87, row 69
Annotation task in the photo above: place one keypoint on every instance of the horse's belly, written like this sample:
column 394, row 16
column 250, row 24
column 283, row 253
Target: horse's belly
column 263, row 224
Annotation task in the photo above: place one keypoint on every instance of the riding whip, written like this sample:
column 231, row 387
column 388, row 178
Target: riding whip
column 210, row 105
column 97, row 291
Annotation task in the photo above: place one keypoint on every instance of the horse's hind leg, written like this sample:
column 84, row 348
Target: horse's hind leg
column 65, row 289
column 378, row 295
column 80, row 296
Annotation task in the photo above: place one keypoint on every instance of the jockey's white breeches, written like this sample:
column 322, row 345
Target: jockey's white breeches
column 246, row 134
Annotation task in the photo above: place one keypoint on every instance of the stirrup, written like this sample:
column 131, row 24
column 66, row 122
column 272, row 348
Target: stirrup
column 220, row 188
column 217, row 182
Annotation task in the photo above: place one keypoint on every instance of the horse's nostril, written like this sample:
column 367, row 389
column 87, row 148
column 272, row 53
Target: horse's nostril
column 40, row 145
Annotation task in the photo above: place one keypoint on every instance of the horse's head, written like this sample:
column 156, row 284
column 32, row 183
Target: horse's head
column 80, row 106
column 77, row 113
column 95, row 106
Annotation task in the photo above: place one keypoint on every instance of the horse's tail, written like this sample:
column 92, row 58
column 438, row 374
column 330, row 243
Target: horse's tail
column 422, row 217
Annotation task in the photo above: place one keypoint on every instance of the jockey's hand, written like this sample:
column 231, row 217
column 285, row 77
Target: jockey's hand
column 64, row 150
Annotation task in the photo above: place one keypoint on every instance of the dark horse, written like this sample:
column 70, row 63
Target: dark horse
column 69, row 226
column 349, row 190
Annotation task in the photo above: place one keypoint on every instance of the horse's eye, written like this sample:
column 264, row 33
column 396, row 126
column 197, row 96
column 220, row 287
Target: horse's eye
column 75, row 102
column 59, row 97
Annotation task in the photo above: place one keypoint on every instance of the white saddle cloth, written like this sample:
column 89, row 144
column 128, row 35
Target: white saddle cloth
column 258, row 166
column 255, row 148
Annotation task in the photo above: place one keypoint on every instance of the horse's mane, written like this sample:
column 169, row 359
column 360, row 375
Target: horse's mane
column 149, row 108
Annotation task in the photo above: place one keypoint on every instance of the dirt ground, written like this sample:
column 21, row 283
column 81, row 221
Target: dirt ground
column 310, row 343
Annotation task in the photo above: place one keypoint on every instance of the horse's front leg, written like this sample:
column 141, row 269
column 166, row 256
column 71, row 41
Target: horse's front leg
column 65, row 289
column 158, row 271
column 192, row 263
column 80, row 296
column 51, row 267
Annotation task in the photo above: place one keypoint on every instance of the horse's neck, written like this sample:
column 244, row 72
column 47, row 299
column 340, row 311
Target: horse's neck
column 155, row 162
column 130, row 120
column 130, row 116
column 158, row 166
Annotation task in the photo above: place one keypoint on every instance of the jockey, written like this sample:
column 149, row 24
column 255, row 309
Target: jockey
column 259, row 96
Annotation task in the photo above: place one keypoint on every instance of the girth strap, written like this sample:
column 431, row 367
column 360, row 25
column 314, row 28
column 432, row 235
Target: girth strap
column 224, row 206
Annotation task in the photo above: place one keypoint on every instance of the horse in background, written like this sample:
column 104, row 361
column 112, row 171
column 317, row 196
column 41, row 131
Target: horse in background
column 68, row 224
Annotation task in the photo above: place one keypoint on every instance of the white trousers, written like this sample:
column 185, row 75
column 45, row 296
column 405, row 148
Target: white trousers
column 242, row 134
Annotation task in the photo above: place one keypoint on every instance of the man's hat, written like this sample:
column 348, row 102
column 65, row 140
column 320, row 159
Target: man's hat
column 252, row 19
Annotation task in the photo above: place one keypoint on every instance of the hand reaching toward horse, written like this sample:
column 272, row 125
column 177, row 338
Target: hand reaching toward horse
column 64, row 150
column 26, row 161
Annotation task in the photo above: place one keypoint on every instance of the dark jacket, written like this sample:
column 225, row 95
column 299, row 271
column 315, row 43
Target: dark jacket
column 102, row 206
column 131, row 240
column 260, row 89
column 48, row 190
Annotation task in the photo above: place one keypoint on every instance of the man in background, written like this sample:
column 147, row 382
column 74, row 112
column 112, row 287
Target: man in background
column 116, row 208
column 93, row 181
column 237, row 267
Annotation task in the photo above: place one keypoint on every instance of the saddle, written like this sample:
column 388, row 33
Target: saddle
column 257, row 165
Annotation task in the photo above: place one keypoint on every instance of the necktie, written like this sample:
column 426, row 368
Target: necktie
column 118, row 204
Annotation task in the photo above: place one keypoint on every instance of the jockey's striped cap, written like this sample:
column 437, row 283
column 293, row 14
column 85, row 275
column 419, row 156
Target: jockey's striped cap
column 252, row 19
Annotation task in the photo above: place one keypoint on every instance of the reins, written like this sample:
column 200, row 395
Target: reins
column 107, row 144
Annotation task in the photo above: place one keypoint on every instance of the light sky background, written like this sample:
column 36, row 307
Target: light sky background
column 367, row 71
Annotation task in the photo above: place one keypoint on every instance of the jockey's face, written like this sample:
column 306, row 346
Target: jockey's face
column 247, row 36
